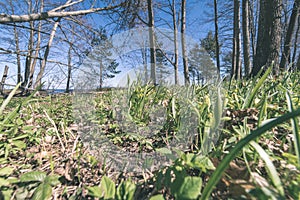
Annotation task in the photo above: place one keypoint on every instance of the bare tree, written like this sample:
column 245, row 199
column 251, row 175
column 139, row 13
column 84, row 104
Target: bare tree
column 16, row 35
column 236, row 62
column 30, row 47
column 175, row 31
column 298, row 63
column 253, row 21
column 286, row 55
column 37, row 50
column 269, row 34
column 183, row 43
column 34, row 42
column 17, row 44
column 46, row 54
column 69, row 66
column 275, row 35
column 246, row 37
column 296, row 44
column 152, row 41
column 216, row 21
column 170, row 9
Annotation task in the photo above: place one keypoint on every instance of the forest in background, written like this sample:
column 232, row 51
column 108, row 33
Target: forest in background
column 46, row 41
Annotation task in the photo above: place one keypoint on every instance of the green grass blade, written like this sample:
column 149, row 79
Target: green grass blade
column 216, row 176
column 13, row 114
column 295, row 126
column 263, row 110
column 251, row 95
column 270, row 167
column 7, row 100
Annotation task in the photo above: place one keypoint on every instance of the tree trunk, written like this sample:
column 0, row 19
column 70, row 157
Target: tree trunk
column 144, row 55
column 275, row 43
column 296, row 44
column 44, row 61
column 217, row 36
column 246, row 37
column 284, row 21
column 298, row 63
column 37, row 49
column 263, row 38
column 269, row 33
column 286, row 56
column 19, row 76
column 236, row 61
column 29, row 56
column 183, row 43
column 69, row 68
column 152, row 41
column 101, row 75
column 175, row 43
column 69, row 74
column 17, row 43
column 253, row 24
column 30, row 49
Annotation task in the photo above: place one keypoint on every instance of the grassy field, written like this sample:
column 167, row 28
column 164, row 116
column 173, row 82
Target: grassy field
column 236, row 140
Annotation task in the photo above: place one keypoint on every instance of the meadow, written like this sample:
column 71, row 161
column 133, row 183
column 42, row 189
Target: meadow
column 240, row 141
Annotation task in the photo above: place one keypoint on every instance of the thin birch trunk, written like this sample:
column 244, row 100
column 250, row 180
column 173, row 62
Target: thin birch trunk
column 37, row 49
column 296, row 44
column 286, row 56
column 183, row 43
column 236, row 62
column 46, row 54
column 175, row 29
column 152, row 41
column 19, row 75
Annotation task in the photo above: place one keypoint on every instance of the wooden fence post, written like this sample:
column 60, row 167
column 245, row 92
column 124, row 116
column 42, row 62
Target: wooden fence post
column 3, row 79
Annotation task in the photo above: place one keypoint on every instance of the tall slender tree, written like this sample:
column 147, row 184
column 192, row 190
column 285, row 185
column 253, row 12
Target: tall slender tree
column 17, row 46
column 37, row 49
column 296, row 44
column 30, row 47
column 175, row 33
column 40, row 75
column 69, row 65
column 253, row 23
column 216, row 22
column 152, row 41
column 31, row 29
column 183, row 43
column 286, row 55
column 246, row 37
column 298, row 63
column 236, row 61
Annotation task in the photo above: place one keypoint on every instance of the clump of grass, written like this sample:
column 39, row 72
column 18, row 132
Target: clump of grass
column 40, row 141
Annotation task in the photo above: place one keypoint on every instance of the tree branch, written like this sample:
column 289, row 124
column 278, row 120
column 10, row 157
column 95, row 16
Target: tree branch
column 67, row 4
column 7, row 51
column 4, row 18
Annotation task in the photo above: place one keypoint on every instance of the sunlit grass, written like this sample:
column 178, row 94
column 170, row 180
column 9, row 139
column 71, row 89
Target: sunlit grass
column 37, row 125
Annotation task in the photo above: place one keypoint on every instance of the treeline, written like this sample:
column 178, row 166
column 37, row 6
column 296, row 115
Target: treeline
column 48, row 40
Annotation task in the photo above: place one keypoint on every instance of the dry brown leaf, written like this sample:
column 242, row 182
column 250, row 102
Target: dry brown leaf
column 259, row 180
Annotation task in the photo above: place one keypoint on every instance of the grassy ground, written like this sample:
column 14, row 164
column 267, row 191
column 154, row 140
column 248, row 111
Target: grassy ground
column 53, row 146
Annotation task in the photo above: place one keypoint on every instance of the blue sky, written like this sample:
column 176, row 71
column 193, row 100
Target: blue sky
column 196, row 29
